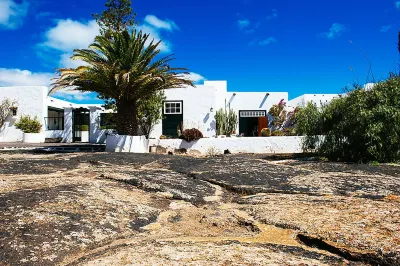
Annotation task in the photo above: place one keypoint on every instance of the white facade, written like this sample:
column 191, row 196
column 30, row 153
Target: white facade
column 34, row 101
column 318, row 99
column 200, row 104
column 30, row 101
column 197, row 107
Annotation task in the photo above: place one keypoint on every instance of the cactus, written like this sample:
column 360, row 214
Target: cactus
column 226, row 122
column 220, row 120
column 231, row 123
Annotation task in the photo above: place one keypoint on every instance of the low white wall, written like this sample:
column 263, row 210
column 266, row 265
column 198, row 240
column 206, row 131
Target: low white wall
column 100, row 136
column 123, row 143
column 235, row 145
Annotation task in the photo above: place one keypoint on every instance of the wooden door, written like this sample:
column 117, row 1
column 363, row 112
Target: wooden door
column 262, row 123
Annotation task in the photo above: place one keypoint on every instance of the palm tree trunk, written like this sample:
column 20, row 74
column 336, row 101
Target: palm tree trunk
column 127, row 122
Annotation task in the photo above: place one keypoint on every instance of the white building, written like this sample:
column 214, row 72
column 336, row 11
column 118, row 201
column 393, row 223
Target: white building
column 318, row 99
column 194, row 107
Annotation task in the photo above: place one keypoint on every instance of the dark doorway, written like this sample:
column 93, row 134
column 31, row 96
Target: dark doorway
column 249, row 122
column 80, row 125
column 172, row 118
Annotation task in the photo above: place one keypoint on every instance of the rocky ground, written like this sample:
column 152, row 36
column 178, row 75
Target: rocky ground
column 127, row 209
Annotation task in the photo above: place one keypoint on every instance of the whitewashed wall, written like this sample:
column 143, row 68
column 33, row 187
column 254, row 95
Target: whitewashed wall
column 279, row 145
column 261, row 101
column 30, row 101
column 318, row 99
column 96, row 134
column 197, row 104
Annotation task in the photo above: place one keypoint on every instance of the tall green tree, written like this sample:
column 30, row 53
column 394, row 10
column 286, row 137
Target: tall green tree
column 126, row 68
column 117, row 17
column 150, row 112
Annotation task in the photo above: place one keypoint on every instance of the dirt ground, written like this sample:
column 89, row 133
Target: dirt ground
column 127, row 209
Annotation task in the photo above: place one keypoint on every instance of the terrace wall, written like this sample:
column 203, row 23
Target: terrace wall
column 279, row 145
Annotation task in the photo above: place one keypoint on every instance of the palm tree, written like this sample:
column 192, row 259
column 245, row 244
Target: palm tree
column 124, row 68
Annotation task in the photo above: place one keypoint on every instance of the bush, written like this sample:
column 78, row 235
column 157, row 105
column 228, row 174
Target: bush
column 191, row 135
column 278, row 114
column 266, row 132
column 28, row 124
column 163, row 137
column 362, row 126
column 277, row 133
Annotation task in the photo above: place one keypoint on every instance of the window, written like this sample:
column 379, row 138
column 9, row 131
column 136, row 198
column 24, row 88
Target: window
column 54, row 119
column 108, row 121
column 253, row 113
column 171, row 108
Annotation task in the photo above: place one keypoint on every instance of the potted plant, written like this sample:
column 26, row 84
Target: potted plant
column 31, row 128
column 84, row 132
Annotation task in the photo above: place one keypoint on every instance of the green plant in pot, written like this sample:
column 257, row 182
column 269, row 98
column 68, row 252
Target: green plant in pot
column 82, row 128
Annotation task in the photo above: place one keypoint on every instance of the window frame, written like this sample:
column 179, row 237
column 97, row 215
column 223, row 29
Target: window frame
column 252, row 113
column 175, row 107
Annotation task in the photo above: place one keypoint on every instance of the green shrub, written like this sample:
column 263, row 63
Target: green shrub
column 363, row 126
column 277, row 133
column 191, row 135
column 266, row 132
column 28, row 124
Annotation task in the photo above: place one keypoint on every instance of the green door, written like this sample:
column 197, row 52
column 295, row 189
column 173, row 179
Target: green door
column 172, row 118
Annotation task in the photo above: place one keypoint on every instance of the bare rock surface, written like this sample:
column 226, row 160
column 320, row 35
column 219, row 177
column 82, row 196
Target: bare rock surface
column 131, row 209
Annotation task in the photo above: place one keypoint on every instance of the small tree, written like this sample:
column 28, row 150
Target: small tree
column 117, row 17
column 150, row 112
column 278, row 113
column 5, row 109
column 28, row 124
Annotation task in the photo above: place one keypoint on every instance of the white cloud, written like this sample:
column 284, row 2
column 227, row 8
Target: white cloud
column 154, row 26
column 17, row 77
column 12, row 13
column 242, row 24
column 386, row 28
column 267, row 41
column 273, row 15
column 195, row 77
column 164, row 46
column 65, row 61
column 74, row 95
column 335, row 31
column 70, row 34
column 161, row 24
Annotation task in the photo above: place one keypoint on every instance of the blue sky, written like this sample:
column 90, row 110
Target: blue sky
column 256, row 45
